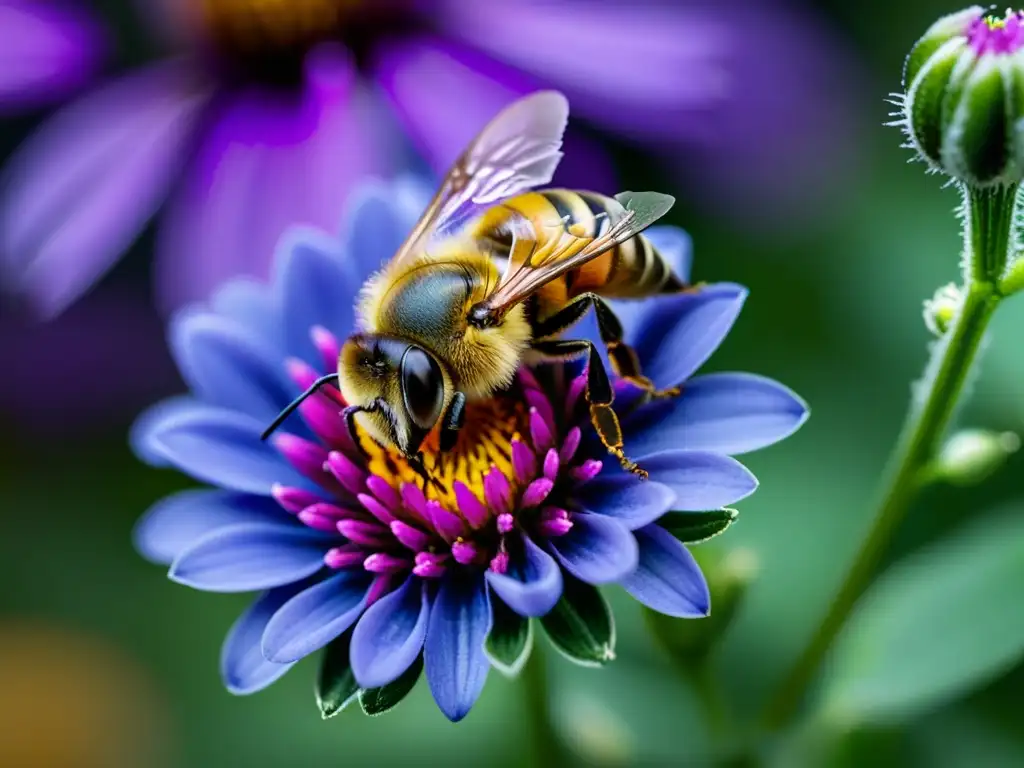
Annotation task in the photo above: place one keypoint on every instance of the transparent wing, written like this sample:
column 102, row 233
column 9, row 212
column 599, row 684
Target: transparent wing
column 537, row 258
column 517, row 150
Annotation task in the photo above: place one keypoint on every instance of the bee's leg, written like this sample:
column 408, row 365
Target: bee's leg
column 623, row 357
column 453, row 420
column 599, row 395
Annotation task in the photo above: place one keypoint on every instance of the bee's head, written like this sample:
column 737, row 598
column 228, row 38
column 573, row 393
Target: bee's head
column 402, row 386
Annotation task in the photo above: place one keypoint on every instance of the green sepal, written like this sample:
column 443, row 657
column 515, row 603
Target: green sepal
column 377, row 701
column 943, row 30
column 976, row 144
column 336, row 686
column 696, row 527
column 510, row 640
column 926, row 101
column 581, row 625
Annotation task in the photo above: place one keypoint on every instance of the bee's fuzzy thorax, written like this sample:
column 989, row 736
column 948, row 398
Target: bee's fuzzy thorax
column 427, row 301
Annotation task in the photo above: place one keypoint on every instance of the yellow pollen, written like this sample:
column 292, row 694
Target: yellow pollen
column 485, row 442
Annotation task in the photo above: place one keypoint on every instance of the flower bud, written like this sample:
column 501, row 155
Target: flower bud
column 940, row 310
column 964, row 102
column 729, row 574
column 973, row 455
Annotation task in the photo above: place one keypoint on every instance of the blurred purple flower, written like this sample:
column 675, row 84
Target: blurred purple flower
column 271, row 111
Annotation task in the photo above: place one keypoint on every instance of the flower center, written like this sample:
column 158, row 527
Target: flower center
column 993, row 34
column 268, row 39
column 508, row 478
column 485, row 442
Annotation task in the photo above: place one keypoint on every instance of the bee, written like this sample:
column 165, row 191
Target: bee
column 490, row 277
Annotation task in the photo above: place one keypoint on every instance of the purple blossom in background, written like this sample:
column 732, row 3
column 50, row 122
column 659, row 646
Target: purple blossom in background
column 266, row 118
column 350, row 550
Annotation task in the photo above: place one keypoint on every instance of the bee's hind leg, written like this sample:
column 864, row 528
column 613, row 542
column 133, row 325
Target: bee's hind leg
column 599, row 395
column 623, row 357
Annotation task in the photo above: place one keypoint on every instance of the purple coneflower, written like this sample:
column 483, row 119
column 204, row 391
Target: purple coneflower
column 268, row 112
column 523, row 518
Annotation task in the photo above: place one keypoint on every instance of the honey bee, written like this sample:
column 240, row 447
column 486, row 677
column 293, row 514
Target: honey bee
column 489, row 278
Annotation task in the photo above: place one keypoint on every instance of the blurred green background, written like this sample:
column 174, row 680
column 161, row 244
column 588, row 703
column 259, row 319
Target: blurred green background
column 98, row 649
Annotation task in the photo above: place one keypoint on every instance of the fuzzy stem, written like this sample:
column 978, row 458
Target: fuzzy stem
column 988, row 235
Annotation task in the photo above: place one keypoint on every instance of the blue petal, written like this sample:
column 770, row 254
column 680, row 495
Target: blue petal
column 177, row 522
column 317, row 288
column 374, row 228
column 532, row 585
column 633, row 502
column 728, row 413
column 389, row 636
column 454, row 655
column 674, row 335
column 667, row 578
column 314, row 617
column 140, row 437
column 700, row 480
column 675, row 246
column 597, row 550
column 251, row 556
column 217, row 446
column 225, row 365
column 242, row 666
column 254, row 307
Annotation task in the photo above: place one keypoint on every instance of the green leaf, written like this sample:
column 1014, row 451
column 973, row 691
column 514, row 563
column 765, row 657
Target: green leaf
column 695, row 527
column 336, row 686
column 647, row 207
column 937, row 625
column 377, row 701
column 510, row 640
column 581, row 625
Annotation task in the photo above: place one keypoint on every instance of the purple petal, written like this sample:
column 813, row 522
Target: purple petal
column 389, row 636
column 374, row 226
column 267, row 163
column 701, row 480
column 251, row 556
column 413, row 69
column 225, row 365
column 46, row 52
column 318, row 287
column 253, row 306
column 532, row 585
column 682, row 50
column 728, row 413
column 217, row 446
column 633, row 502
column 177, row 522
column 597, row 550
column 81, row 189
column 242, row 665
column 674, row 335
column 315, row 616
column 667, row 577
column 454, row 655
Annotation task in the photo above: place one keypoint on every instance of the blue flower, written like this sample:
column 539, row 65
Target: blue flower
column 351, row 552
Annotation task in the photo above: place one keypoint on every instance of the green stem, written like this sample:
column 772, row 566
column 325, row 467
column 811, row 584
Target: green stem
column 547, row 744
column 987, row 240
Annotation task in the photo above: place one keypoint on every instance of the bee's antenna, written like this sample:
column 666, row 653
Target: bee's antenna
column 330, row 378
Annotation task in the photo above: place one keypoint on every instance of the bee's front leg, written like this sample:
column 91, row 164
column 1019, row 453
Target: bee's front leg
column 454, row 418
column 599, row 395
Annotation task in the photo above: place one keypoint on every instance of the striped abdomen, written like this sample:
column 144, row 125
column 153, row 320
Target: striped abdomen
column 634, row 269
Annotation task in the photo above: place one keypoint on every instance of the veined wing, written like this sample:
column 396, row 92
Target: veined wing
column 517, row 150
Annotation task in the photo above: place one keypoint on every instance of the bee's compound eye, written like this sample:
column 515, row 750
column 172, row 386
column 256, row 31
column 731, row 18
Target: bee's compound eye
column 422, row 387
